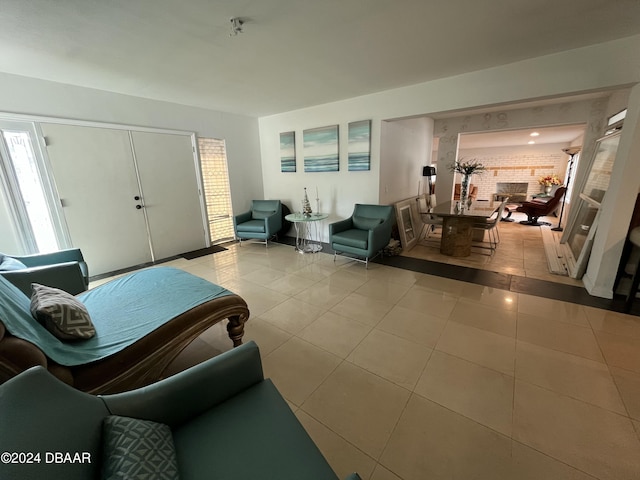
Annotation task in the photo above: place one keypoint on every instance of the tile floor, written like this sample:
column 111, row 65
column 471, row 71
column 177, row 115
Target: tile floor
column 403, row 375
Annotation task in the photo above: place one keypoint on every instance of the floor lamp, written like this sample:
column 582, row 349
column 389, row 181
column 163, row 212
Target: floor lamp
column 573, row 151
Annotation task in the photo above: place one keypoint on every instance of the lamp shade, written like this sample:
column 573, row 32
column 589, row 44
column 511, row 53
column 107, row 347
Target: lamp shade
column 428, row 171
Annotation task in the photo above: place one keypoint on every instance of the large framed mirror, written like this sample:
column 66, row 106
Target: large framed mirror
column 583, row 230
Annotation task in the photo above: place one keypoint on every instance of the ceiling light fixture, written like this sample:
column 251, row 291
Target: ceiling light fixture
column 236, row 26
column 534, row 134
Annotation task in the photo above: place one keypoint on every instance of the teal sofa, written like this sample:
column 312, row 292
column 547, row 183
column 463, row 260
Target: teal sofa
column 65, row 269
column 364, row 234
column 226, row 420
column 262, row 222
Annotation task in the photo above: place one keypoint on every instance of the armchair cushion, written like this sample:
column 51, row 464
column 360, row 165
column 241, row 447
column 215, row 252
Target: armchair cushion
column 256, row 226
column 365, row 223
column 61, row 313
column 134, row 448
column 352, row 238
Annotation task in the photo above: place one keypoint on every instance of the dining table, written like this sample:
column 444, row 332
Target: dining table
column 458, row 222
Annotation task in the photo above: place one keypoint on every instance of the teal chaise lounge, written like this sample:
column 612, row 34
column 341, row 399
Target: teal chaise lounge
column 221, row 418
column 364, row 234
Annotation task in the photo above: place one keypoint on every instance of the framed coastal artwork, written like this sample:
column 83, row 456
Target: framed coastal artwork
column 321, row 149
column 288, row 152
column 360, row 146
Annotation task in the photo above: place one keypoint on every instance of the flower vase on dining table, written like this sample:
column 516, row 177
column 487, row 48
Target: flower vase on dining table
column 464, row 190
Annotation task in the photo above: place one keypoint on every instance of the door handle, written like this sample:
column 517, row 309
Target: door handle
column 137, row 197
column 138, row 207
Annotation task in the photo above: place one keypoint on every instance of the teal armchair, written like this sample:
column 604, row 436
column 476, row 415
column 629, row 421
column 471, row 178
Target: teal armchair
column 364, row 234
column 262, row 222
column 225, row 421
column 65, row 269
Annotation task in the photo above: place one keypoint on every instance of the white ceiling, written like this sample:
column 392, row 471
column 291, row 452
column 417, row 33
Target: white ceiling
column 512, row 138
column 293, row 53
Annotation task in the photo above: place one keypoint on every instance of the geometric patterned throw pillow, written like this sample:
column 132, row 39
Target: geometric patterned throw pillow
column 137, row 449
column 61, row 313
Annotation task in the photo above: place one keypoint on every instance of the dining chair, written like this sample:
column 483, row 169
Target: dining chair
column 429, row 220
column 490, row 225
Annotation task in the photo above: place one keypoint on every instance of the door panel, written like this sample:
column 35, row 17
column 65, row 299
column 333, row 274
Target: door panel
column 170, row 191
column 96, row 181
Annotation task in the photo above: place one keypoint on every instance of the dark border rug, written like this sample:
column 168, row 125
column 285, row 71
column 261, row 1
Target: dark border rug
column 203, row 251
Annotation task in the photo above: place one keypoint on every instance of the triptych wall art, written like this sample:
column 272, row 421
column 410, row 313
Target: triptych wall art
column 322, row 148
column 288, row 152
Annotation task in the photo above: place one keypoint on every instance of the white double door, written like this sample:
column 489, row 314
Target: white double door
column 128, row 197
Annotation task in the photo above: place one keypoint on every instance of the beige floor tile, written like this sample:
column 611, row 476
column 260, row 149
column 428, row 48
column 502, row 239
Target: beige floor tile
column 629, row 386
column 567, row 374
column 335, row 333
column 432, row 442
column 344, row 279
column 323, row 294
column 613, row 322
column 589, row 438
column 441, row 285
column 394, row 275
column 363, row 309
column 476, row 392
column 343, row 457
column 258, row 298
column 558, row 335
column 290, row 284
column 359, row 406
column 620, row 351
column 384, row 291
column 426, row 301
column 422, row 328
column 267, row 336
column 478, row 346
column 381, row 473
column 263, row 276
column 491, row 297
column 553, row 309
column 292, row 315
column 529, row 464
column 488, row 318
column 393, row 358
column 297, row 368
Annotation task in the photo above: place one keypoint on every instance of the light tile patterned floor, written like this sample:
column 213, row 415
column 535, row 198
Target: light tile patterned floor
column 402, row 375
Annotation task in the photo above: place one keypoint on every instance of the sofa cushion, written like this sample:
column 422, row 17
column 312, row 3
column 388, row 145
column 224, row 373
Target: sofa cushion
column 8, row 264
column 252, row 226
column 61, row 313
column 134, row 448
column 365, row 223
column 351, row 238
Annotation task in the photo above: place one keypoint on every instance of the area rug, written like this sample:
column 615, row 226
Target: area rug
column 203, row 251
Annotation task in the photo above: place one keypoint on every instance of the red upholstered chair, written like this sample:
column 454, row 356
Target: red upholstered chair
column 539, row 208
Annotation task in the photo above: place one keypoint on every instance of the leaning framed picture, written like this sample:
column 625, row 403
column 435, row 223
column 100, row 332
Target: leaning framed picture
column 359, row 146
column 288, row 152
column 321, row 152
column 406, row 216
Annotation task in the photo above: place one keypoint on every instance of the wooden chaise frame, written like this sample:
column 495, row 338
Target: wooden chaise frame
column 137, row 365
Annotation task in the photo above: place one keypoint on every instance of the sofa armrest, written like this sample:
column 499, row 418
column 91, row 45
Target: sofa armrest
column 66, row 276
column 177, row 399
column 341, row 226
column 274, row 223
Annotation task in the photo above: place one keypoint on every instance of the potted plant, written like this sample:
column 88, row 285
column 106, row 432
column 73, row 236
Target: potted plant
column 548, row 181
column 466, row 168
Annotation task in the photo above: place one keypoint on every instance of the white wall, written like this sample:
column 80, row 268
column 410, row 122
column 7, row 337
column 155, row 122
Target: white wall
column 405, row 147
column 9, row 240
column 23, row 95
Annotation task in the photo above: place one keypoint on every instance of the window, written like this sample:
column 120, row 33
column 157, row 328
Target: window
column 25, row 179
column 217, row 194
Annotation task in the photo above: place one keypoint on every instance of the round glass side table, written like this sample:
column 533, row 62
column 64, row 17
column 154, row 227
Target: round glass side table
column 307, row 231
